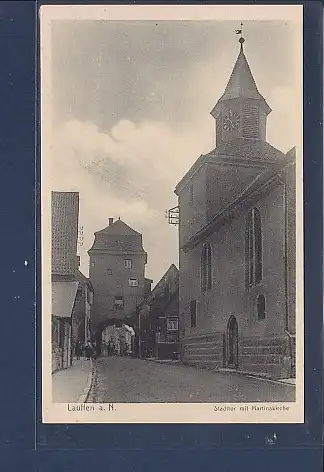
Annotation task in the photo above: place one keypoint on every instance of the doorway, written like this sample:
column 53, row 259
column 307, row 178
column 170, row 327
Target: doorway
column 232, row 345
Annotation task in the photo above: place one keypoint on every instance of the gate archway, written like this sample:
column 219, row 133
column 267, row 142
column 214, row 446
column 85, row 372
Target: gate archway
column 118, row 322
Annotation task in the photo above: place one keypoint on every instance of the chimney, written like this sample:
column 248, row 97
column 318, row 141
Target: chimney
column 111, row 220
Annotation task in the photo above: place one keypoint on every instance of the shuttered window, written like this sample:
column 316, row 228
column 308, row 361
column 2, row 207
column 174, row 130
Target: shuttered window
column 250, row 121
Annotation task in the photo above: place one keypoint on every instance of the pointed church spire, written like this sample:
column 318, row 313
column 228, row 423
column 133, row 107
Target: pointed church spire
column 241, row 110
column 241, row 83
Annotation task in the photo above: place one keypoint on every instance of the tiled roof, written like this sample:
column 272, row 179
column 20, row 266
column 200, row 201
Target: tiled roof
column 118, row 237
column 119, row 228
column 65, row 213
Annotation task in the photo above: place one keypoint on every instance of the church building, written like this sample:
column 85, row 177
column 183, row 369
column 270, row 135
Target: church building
column 237, row 241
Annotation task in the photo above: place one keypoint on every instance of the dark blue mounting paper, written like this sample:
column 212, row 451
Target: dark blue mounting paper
column 133, row 447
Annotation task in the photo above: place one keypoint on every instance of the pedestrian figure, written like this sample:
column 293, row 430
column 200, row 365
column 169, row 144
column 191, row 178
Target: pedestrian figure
column 88, row 350
column 78, row 350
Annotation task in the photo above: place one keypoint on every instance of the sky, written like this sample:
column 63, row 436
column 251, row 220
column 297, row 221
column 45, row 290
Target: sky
column 131, row 106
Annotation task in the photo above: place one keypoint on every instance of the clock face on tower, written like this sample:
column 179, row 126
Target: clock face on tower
column 231, row 121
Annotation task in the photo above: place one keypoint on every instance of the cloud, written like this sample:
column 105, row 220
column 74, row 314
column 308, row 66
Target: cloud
column 129, row 171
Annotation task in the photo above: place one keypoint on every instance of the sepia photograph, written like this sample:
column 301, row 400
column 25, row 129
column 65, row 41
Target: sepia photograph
column 172, row 214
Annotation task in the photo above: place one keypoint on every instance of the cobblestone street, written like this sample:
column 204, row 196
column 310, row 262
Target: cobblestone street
column 123, row 379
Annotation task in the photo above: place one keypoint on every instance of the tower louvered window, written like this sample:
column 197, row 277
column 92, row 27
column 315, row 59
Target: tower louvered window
column 251, row 121
column 253, row 248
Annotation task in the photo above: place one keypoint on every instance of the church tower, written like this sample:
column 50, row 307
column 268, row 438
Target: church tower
column 241, row 112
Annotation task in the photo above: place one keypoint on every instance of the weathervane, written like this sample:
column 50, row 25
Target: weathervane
column 240, row 31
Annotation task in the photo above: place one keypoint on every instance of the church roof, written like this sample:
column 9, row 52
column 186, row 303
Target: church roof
column 247, row 148
column 239, row 148
column 241, row 83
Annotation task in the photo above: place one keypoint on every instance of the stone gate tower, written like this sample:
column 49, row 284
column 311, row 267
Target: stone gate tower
column 117, row 267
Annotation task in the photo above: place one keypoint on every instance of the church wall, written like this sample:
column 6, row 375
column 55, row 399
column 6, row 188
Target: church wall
column 224, row 184
column 229, row 295
column 290, row 179
column 192, row 201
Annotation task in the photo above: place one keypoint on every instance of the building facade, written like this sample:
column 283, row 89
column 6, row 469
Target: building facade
column 237, row 241
column 117, row 274
column 64, row 268
column 158, row 319
column 82, row 312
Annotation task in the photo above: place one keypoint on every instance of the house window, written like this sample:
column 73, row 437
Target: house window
column 253, row 248
column 172, row 325
column 119, row 301
column 261, row 308
column 205, row 271
column 128, row 263
column 172, row 337
column 193, row 313
column 109, row 272
column 132, row 282
column 92, row 264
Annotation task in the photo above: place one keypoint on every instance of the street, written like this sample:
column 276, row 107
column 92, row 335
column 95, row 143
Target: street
column 124, row 379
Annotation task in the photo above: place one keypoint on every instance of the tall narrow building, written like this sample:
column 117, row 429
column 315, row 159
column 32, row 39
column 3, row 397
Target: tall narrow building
column 117, row 274
column 237, row 241
column 64, row 268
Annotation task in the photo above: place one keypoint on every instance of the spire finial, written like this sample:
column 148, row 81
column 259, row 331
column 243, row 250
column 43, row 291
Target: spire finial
column 240, row 31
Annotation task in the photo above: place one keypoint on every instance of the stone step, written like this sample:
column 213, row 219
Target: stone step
column 202, row 357
column 211, row 364
column 260, row 358
column 275, row 349
column 270, row 369
column 209, row 344
column 213, row 338
column 262, row 342
column 203, row 354
column 203, row 349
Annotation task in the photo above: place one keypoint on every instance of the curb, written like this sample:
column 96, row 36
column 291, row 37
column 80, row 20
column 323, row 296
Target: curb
column 165, row 361
column 85, row 394
column 251, row 375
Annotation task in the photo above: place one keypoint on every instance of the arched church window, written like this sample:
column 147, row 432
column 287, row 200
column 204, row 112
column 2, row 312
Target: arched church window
column 206, row 273
column 253, row 248
column 261, row 307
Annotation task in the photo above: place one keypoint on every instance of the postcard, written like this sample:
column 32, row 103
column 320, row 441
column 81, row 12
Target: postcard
column 172, row 214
